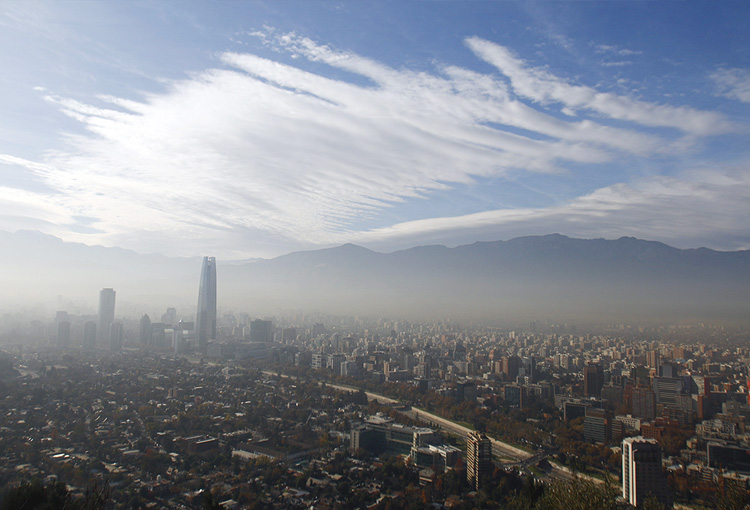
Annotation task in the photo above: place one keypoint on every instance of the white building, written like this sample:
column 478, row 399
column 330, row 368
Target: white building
column 641, row 470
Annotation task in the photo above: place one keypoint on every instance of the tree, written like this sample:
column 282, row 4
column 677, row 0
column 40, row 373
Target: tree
column 579, row 494
column 732, row 495
column 653, row 503
column 55, row 496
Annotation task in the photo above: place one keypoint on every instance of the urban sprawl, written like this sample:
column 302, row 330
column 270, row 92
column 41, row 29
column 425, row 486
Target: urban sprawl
column 304, row 410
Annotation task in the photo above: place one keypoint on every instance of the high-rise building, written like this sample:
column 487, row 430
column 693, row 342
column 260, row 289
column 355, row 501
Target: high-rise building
column 205, row 319
column 158, row 335
column 145, row 331
column 89, row 336
column 63, row 335
column 653, row 359
column 106, row 316
column 643, row 402
column 261, row 331
column 115, row 337
column 289, row 335
column 641, row 471
column 170, row 317
column 478, row 458
column 593, row 380
column 597, row 426
column 511, row 364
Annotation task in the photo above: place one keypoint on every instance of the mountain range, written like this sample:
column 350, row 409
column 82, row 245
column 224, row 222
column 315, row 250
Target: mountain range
column 526, row 278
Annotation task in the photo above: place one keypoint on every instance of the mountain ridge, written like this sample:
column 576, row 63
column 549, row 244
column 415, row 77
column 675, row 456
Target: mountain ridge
column 550, row 275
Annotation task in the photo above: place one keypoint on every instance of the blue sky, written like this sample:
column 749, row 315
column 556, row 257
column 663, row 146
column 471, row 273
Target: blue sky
column 244, row 129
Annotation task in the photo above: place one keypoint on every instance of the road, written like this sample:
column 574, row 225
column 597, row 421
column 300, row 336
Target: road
column 500, row 449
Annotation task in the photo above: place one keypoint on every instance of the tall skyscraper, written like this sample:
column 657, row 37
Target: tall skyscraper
column 205, row 319
column 641, row 471
column 478, row 458
column 106, row 316
column 145, row 331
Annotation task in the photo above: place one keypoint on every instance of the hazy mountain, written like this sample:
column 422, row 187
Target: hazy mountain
column 536, row 277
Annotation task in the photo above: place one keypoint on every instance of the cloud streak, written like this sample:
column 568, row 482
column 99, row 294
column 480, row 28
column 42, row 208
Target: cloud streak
column 257, row 154
column 543, row 87
column 696, row 209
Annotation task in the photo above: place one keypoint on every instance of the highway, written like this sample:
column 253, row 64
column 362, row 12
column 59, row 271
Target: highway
column 500, row 449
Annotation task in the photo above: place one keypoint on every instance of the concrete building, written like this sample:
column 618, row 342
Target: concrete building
column 89, row 336
column 145, row 331
column 593, row 380
column 261, row 331
column 63, row 335
column 115, row 337
column 478, row 458
column 106, row 317
column 641, row 471
column 205, row 319
column 380, row 434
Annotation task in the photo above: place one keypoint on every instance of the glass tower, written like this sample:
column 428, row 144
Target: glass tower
column 205, row 319
column 106, row 316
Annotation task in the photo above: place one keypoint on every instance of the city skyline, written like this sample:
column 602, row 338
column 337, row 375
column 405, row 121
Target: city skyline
column 261, row 128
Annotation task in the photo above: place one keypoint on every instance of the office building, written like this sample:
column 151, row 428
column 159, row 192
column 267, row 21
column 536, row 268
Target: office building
column 106, row 317
column 643, row 403
column 261, row 331
column 593, row 380
column 728, row 456
column 205, row 319
column 380, row 434
column 89, row 336
column 641, row 471
column 115, row 337
column 478, row 458
column 145, row 331
column 289, row 335
column 597, row 425
column 511, row 365
column 169, row 318
column 63, row 335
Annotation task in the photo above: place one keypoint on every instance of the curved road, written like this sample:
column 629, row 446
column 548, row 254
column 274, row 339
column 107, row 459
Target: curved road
column 500, row 449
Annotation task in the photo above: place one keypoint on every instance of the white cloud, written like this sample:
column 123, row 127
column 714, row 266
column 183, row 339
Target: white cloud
column 696, row 209
column 619, row 63
column 606, row 49
column 24, row 209
column 261, row 153
column 543, row 87
column 733, row 83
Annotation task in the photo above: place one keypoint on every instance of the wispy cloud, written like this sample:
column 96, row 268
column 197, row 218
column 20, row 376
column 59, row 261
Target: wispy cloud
column 259, row 153
column 606, row 49
column 29, row 209
column 733, row 83
column 543, row 87
column 696, row 209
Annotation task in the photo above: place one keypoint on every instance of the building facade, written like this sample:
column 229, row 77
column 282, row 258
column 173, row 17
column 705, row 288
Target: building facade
column 478, row 458
column 106, row 316
column 205, row 318
column 641, row 471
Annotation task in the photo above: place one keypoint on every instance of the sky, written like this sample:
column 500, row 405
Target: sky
column 245, row 129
